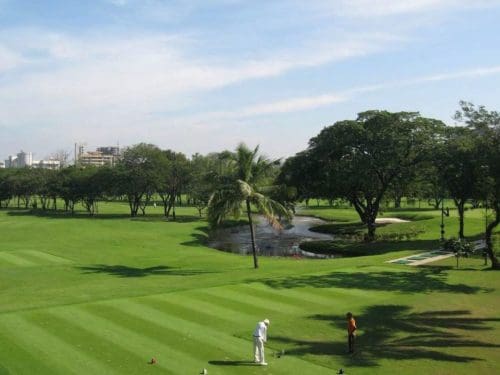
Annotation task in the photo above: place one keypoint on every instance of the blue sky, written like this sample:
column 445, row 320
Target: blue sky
column 203, row 75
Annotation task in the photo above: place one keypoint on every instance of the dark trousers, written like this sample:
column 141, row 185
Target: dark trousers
column 350, row 342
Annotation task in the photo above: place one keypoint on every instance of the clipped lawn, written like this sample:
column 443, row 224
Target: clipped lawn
column 421, row 233
column 103, row 295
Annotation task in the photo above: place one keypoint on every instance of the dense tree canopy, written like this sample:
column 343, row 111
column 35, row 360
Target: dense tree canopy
column 359, row 160
column 485, row 128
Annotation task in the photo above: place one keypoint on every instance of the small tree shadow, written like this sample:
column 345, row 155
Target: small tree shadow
column 200, row 238
column 126, row 271
column 340, row 228
column 80, row 214
column 393, row 332
column 161, row 217
column 59, row 214
column 425, row 280
column 232, row 363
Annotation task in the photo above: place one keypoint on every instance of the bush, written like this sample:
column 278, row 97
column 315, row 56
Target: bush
column 458, row 246
column 461, row 248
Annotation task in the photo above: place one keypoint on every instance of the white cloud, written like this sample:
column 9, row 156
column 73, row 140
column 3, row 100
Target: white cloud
column 141, row 74
column 118, row 3
column 9, row 59
column 297, row 104
column 381, row 8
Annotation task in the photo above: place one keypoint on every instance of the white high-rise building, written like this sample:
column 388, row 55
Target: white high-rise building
column 25, row 160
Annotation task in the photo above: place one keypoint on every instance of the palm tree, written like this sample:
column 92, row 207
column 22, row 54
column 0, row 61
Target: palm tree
column 242, row 190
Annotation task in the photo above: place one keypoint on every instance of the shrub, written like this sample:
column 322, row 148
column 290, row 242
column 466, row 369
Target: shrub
column 461, row 248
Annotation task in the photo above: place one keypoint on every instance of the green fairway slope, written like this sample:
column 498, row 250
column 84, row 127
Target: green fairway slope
column 104, row 295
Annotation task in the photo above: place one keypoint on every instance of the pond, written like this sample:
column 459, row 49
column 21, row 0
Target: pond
column 269, row 241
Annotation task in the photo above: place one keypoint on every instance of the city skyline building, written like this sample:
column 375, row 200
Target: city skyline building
column 104, row 155
column 25, row 160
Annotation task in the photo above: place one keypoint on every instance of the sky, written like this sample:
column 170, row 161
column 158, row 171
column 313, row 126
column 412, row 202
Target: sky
column 204, row 75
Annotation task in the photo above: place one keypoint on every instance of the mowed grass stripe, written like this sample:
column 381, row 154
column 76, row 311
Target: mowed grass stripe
column 288, row 296
column 325, row 297
column 227, row 347
column 45, row 256
column 233, row 293
column 166, row 305
column 203, row 304
column 61, row 357
column 148, row 309
column 126, row 333
column 258, row 310
column 15, row 260
column 122, row 360
column 19, row 360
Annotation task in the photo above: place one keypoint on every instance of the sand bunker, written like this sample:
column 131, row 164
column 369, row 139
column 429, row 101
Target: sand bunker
column 389, row 220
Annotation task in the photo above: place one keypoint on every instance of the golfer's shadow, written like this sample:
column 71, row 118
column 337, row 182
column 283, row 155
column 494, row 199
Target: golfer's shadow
column 233, row 363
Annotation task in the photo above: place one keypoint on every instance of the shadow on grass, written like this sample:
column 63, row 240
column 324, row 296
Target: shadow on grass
column 351, row 249
column 126, row 271
column 200, row 237
column 393, row 332
column 66, row 215
column 233, row 363
column 341, row 228
column 154, row 217
column 425, row 280
column 159, row 217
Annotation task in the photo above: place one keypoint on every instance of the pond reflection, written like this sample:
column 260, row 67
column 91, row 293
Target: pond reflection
column 269, row 241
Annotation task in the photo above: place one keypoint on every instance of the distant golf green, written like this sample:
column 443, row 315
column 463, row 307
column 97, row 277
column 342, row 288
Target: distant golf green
column 104, row 295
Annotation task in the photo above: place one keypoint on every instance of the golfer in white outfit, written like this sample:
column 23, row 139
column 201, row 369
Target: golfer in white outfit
column 259, row 338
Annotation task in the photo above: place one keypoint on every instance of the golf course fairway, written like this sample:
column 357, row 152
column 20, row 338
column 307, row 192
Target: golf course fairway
column 104, row 295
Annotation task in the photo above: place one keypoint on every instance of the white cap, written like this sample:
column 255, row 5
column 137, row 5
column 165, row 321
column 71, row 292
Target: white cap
column 266, row 322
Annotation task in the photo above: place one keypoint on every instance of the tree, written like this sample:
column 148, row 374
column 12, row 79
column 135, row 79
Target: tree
column 301, row 173
column 92, row 183
column 42, row 180
column 137, row 174
column 360, row 159
column 24, row 186
column 68, row 187
column 206, row 172
column 6, row 190
column 458, row 167
column 174, row 177
column 486, row 130
column 242, row 190
column 428, row 183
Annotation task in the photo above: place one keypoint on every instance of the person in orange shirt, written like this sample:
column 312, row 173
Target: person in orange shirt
column 351, row 331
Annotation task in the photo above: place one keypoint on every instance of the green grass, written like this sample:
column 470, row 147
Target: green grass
column 420, row 234
column 103, row 295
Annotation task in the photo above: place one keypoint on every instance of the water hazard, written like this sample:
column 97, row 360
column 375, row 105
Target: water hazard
column 269, row 241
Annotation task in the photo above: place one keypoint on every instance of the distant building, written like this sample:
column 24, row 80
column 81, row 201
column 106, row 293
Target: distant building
column 25, row 160
column 2, row 164
column 47, row 164
column 102, row 156
column 21, row 160
column 110, row 150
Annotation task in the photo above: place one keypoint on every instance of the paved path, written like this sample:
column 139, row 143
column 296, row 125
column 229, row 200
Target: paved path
column 432, row 256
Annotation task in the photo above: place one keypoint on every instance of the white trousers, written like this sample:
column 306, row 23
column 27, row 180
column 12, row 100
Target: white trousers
column 258, row 349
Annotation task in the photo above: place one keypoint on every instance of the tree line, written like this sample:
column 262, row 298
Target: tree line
column 377, row 156
column 145, row 172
